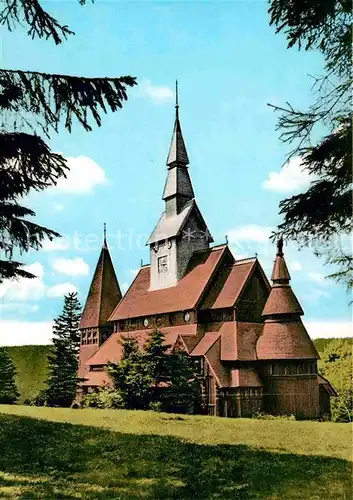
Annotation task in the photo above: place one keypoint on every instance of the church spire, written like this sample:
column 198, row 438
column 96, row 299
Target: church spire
column 280, row 273
column 281, row 300
column 178, row 190
column 104, row 292
column 284, row 335
column 177, row 151
column 105, row 235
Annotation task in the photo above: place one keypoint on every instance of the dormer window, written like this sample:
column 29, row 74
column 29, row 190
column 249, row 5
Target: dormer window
column 163, row 264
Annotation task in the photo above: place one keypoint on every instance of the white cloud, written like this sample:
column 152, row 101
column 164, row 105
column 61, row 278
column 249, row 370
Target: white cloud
column 318, row 278
column 316, row 295
column 251, row 232
column 61, row 289
column 328, row 329
column 57, row 244
column 156, row 92
column 24, row 288
column 83, row 176
column 58, row 207
column 295, row 266
column 71, row 267
column 18, row 307
column 25, row 332
column 290, row 178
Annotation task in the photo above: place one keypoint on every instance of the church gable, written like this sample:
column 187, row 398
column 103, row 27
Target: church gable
column 140, row 301
column 253, row 297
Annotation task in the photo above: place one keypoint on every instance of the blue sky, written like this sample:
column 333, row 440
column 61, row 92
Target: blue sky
column 229, row 64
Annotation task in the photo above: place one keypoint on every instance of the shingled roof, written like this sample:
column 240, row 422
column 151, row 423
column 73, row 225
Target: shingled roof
column 282, row 299
column 284, row 335
column 140, row 301
column 228, row 285
column 112, row 350
column 285, row 340
column 104, row 293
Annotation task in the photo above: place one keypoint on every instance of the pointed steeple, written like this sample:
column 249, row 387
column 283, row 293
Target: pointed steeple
column 178, row 189
column 105, row 236
column 177, row 151
column 280, row 273
column 284, row 336
column 281, row 299
column 104, row 293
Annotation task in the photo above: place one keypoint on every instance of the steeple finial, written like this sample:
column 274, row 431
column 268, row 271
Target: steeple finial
column 177, row 151
column 280, row 273
column 280, row 246
column 104, row 235
column 176, row 98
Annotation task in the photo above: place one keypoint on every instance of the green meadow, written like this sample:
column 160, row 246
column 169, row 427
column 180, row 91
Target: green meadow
column 100, row 454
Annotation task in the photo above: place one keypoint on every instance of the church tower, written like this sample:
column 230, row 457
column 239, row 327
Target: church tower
column 286, row 351
column 284, row 335
column 103, row 296
column 181, row 230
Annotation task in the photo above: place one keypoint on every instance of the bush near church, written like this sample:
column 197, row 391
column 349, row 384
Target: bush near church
column 150, row 378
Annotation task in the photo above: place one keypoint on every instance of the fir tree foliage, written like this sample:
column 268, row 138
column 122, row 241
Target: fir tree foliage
column 63, row 360
column 132, row 377
column 8, row 389
column 321, row 136
column 156, row 376
column 34, row 103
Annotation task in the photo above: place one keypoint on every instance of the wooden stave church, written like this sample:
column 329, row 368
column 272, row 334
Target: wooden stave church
column 246, row 336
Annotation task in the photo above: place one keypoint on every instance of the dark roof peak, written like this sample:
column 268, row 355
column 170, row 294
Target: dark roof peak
column 104, row 293
column 177, row 152
column 280, row 273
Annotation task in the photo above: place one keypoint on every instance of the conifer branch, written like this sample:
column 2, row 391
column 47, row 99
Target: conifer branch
column 53, row 98
column 41, row 24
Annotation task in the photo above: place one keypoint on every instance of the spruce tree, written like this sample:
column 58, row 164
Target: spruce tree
column 131, row 376
column 156, row 375
column 63, row 360
column 32, row 105
column 8, row 389
column 158, row 362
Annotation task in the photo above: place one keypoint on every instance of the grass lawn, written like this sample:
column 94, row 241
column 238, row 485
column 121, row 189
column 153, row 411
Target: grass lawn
column 100, row 454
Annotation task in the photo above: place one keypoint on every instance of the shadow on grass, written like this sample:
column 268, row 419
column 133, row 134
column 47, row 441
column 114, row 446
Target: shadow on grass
column 43, row 459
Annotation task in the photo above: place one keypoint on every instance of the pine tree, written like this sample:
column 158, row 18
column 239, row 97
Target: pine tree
column 33, row 103
column 321, row 136
column 158, row 362
column 131, row 376
column 184, row 394
column 63, row 360
column 8, row 389
column 155, row 376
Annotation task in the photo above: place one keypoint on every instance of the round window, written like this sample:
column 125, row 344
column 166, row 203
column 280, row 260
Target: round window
column 187, row 317
column 145, row 322
column 156, row 247
column 170, row 244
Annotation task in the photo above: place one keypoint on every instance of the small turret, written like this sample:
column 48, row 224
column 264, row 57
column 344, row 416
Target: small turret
column 103, row 296
column 284, row 335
